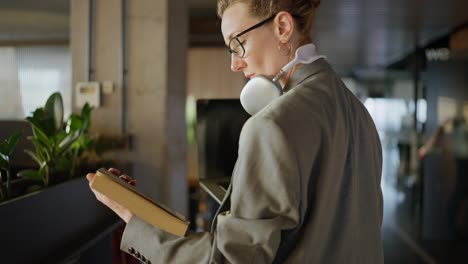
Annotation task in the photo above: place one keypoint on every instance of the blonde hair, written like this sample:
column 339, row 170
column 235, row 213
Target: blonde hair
column 303, row 11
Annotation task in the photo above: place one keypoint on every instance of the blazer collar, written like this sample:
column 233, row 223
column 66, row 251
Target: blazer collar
column 304, row 71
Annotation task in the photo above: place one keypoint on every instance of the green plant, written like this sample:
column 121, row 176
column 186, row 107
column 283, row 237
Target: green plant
column 81, row 123
column 6, row 149
column 57, row 143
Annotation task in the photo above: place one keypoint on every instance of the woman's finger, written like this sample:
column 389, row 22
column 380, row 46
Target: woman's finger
column 114, row 171
column 90, row 177
column 128, row 179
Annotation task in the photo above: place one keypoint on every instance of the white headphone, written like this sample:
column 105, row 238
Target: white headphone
column 259, row 91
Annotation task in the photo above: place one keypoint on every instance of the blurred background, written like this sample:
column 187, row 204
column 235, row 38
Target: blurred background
column 152, row 61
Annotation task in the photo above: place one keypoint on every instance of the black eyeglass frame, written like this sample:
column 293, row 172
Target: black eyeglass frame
column 236, row 37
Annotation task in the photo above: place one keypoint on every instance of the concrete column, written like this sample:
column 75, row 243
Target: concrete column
column 79, row 37
column 107, row 63
column 176, row 131
column 157, row 37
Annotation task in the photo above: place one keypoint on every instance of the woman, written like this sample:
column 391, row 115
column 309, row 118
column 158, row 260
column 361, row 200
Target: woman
column 306, row 185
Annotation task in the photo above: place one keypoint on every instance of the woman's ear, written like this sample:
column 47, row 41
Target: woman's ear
column 284, row 26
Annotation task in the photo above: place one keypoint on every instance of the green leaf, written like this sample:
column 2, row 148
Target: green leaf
column 43, row 121
column 34, row 157
column 38, row 115
column 74, row 123
column 60, row 136
column 67, row 142
column 86, row 110
column 4, row 162
column 40, row 150
column 54, row 106
column 42, row 137
column 4, row 157
column 44, row 171
column 37, row 175
column 86, row 117
column 12, row 142
column 85, row 141
column 46, row 154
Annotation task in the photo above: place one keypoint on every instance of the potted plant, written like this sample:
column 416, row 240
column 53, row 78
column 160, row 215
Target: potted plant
column 58, row 144
column 60, row 220
column 6, row 149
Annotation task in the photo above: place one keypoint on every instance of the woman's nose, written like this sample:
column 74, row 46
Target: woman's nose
column 237, row 63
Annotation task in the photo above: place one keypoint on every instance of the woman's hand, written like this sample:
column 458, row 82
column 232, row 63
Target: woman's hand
column 121, row 211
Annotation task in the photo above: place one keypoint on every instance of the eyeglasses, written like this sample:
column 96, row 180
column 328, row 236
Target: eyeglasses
column 235, row 45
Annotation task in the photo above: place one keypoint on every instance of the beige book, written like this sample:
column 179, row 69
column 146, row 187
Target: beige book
column 139, row 204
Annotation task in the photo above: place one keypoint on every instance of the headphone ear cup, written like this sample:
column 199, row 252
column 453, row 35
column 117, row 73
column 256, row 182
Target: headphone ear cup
column 258, row 92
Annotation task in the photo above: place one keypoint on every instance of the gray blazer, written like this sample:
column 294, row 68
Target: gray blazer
column 305, row 188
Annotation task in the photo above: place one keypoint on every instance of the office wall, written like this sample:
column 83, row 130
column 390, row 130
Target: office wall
column 210, row 75
column 150, row 104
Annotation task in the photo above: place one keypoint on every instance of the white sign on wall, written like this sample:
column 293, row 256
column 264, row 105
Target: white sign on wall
column 88, row 92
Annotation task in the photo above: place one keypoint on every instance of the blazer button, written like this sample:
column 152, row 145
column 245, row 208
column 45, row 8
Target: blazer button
column 137, row 254
column 131, row 250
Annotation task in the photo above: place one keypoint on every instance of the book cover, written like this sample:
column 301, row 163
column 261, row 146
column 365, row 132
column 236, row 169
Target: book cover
column 139, row 204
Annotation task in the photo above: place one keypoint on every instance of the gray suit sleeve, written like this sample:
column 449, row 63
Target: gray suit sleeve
column 145, row 241
column 265, row 195
column 264, row 201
